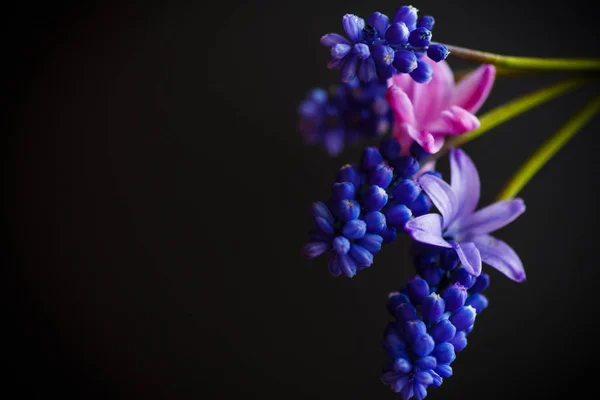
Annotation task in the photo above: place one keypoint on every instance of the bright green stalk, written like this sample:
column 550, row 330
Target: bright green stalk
column 549, row 149
column 526, row 63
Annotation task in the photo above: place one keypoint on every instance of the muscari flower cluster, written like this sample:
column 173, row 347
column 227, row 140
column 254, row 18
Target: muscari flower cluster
column 380, row 48
column 369, row 202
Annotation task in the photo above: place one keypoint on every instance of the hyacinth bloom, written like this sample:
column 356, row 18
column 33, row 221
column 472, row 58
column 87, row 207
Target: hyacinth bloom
column 427, row 113
column 461, row 227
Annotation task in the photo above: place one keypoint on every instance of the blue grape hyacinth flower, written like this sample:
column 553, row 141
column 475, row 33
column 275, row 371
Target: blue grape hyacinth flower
column 380, row 47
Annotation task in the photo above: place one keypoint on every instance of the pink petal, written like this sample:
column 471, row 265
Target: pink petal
column 441, row 196
column 427, row 229
column 469, row 257
column 492, row 217
column 473, row 90
column 406, row 134
column 401, row 105
column 501, row 256
column 454, row 121
column 464, row 180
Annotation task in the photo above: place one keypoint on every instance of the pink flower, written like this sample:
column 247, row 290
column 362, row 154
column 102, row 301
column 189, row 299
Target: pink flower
column 427, row 113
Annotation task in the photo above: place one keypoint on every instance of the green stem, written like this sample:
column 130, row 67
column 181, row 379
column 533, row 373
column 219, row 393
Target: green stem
column 526, row 63
column 549, row 149
column 509, row 110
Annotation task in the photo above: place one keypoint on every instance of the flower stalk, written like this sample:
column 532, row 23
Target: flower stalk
column 549, row 148
column 525, row 63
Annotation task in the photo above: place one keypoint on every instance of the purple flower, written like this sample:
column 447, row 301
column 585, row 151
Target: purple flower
column 461, row 227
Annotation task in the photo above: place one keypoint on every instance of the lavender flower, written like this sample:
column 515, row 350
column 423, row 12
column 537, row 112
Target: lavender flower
column 379, row 48
column 461, row 227
column 344, row 114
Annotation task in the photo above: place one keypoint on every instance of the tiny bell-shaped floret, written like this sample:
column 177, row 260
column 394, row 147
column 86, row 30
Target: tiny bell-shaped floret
column 314, row 249
column 343, row 191
column 396, row 299
column 437, row 52
column 374, row 198
column 341, row 245
column 463, row 318
column 371, row 157
column 397, row 215
column 408, row 15
column 417, row 289
column 397, row 34
column 448, row 259
column 375, row 221
column 421, row 205
column 420, row 37
column 348, row 173
column 426, row 21
column 443, row 331
column 405, row 61
column 405, row 166
column 423, row 73
column 381, row 176
column 478, row 301
column 427, row 362
column 354, row 229
column 433, row 307
column 347, row 210
column 413, row 329
column 379, row 21
column 459, row 341
column 361, row 256
column 455, row 297
column 406, row 191
column 353, row 26
column 462, row 276
column 390, row 148
column 371, row 242
column 402, row 365
column 423, row 345
column 443, row 370
column 444, row 353
column 383, row 55
column 481, row 283
column 406, row 312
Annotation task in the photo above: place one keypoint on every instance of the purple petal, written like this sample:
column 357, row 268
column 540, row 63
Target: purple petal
column 501, row 256
column 353, row 26
column 464, row 180
column 427, row 229
column 441, row 195
column 469, row 257
column 492, row 217
column 331, row 39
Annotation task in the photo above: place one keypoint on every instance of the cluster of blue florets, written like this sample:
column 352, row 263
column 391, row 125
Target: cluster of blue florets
column 370, row 202
column 344, row 114
column 433, row 316
column 380, row 48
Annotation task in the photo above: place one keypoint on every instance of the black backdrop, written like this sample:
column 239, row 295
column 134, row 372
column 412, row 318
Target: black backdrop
column 157, row 194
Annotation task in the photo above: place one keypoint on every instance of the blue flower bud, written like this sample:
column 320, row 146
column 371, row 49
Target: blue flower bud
column 397, row 215
column 423, row 345
column 371, row 157
column 455, row 297
column 417, row 151
column 437, row 52
column 426, row 21
column 354, row 229
column 433, row 307
column 408, row 15
column 462, row 276
column 421, row 205
column 334, row 266
column 347, row 265
column 413, row 328
column 381, row 176
column 444, row 353
column 463, row 318
column 481, row 283
column 341, row 245
column 371, row 242
column 361, row 256
column 324, row 225
column 478, row 301
column 406, row 312
column 319, row 209
column 405, row 166
column 340, row 50
column 375, row 221
column 383, row 55
column 388, row 235
column 408, row 391
column 395, row 300
column 379, row 21
column 397, row 34
column 443, row 370
column 420, row 37
column 432, row 274
column 314, row 249
column 423, row 73
column 390, row 148
column 353, row 26
column 459, row 341
column 405, row 61
column 385, row 71
column 347, row 210
column 443, row 331
column 423, row 377
column 375, row 198
column 428, row 362
column 361, row 50
column 437, row 380
column 399, row 385
column 407, row 191
column 402, row 365
column 348, row 173
column 343, row 191
column 420, row 390
column 448, row 259
column 417, row 289
column 348, row 68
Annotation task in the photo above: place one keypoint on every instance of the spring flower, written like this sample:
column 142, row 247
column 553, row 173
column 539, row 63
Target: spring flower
column 379, row 48
column 369, row 202
column 431, row 325
column 344, row 114
column 461, row 227
column 428, row 113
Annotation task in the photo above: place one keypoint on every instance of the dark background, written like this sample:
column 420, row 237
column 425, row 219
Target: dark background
column 157, row 194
